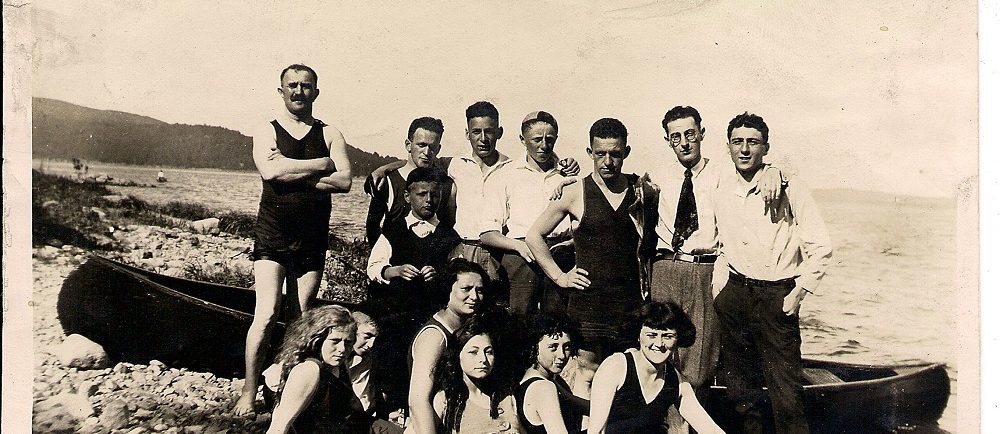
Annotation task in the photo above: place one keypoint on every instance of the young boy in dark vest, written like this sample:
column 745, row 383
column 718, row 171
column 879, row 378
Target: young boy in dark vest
column 404, row 266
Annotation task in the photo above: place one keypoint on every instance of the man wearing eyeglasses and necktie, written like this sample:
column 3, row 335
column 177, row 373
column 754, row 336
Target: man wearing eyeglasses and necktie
column 688, row 244
column 775, row 259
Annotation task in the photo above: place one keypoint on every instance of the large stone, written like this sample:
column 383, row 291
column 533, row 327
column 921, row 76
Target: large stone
column 66, row 405
column 77, row 351
column 175, row 272
column 153, row 262
column 115, row 415
column 206, row 226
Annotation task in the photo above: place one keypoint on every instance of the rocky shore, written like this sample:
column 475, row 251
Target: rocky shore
column 131, row 398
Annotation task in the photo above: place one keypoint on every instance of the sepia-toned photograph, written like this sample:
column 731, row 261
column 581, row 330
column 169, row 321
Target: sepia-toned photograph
column 691, row 216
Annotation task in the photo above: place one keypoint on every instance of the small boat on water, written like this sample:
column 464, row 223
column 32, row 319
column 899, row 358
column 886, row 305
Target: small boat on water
column 138, row 316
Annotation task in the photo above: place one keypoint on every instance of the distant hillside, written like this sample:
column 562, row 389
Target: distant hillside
column 64, row 130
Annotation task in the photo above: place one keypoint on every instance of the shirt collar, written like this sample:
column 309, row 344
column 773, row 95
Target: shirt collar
column 412, row 219
column 522, row 163
column 743, row 188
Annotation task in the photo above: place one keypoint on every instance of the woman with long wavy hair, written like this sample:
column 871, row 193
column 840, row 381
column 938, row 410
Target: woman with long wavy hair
column 473, row 396
column 313, row 392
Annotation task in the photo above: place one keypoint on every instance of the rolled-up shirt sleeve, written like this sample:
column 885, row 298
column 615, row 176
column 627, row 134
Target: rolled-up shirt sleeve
column 816, row 247
column 379, row 259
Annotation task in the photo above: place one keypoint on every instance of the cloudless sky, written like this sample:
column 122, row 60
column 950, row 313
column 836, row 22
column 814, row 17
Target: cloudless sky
column 857, row 94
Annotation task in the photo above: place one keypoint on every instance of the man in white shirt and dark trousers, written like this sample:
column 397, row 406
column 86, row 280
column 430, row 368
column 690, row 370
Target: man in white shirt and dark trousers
column 516, row 196
column 777, row 255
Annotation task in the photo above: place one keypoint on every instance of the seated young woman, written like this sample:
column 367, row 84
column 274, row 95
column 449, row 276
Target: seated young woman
column 473, row 396
column 545, row 402
column 632, row 390
column 313, row 392
column 465, row 282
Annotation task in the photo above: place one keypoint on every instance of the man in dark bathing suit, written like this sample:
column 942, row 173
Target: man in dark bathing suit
column 616, row 214
column 301, row 161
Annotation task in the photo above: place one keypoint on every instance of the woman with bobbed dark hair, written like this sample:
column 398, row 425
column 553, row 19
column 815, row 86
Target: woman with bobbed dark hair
column 473, row 395
column 465, row 283
column 313, row 392
column 633, row 389
column 546, row 404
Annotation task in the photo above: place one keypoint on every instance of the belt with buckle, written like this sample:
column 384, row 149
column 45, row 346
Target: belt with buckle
column 684, row 257
column 747, row 281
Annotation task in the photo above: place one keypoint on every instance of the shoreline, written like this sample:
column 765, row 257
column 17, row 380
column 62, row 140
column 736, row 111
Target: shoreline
column 132, row 398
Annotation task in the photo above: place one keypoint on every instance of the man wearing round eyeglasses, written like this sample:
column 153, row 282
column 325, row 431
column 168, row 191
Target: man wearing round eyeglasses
column 775, row 259
column 688, row 244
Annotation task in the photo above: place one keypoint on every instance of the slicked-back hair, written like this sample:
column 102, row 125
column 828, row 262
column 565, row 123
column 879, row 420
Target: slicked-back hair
column 748, row 120
column 482, row 109
column 609, row 128
column 425, row 123
column 425, row 174
column 662, row 316
column 681, row 112
column 299, row 67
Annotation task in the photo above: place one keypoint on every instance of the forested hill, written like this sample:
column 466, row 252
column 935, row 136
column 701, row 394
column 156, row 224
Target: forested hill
column 63, row 130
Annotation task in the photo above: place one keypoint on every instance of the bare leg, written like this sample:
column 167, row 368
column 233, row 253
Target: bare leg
column 268, row 277
column 304, row 290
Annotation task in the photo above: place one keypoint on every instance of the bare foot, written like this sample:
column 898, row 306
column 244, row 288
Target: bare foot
column 245, row 405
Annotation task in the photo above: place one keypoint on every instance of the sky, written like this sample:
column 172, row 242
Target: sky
column 858, row 95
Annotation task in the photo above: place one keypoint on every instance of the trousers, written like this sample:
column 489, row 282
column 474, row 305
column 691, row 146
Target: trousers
column 761, row 347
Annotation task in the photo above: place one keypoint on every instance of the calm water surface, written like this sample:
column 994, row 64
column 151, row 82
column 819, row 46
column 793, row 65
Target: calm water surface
column 888, row 298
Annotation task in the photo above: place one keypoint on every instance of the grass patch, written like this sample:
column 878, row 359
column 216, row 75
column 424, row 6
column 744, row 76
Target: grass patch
column 237, row 223
column 62, row 210
column 345, row 270
column 223, row 274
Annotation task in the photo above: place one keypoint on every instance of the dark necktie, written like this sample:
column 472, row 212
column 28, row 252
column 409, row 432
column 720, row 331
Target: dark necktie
column 686, row 221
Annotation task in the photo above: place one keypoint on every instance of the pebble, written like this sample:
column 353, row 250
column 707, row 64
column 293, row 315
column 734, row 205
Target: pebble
column 130, row 398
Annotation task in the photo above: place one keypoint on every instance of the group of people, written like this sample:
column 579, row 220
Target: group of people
column 570, row 302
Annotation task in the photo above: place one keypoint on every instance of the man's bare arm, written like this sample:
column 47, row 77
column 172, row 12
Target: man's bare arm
column 273, row 166
column 544, row 224
column 340, row 180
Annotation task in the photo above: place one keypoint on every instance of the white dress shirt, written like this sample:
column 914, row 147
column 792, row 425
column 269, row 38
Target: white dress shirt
column 378, row 260
column 517, row 194
column 792, row 243
column 705, row 180
column 470, row 191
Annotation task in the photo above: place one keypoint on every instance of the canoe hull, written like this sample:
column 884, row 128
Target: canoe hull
column 890, row 398
column 138, row 316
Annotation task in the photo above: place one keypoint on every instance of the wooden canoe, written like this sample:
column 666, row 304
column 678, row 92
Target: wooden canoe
column 138, row 316
column 856, row 398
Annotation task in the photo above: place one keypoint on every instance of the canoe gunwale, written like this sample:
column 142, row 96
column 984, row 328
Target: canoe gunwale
column 132, row 272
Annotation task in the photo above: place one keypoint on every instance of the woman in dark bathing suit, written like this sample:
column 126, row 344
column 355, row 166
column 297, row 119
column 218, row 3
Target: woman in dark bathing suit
column 545, row 402
column 314, row 394
column 632, row 390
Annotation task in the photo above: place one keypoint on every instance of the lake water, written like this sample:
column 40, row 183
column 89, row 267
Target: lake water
column 888, row 298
